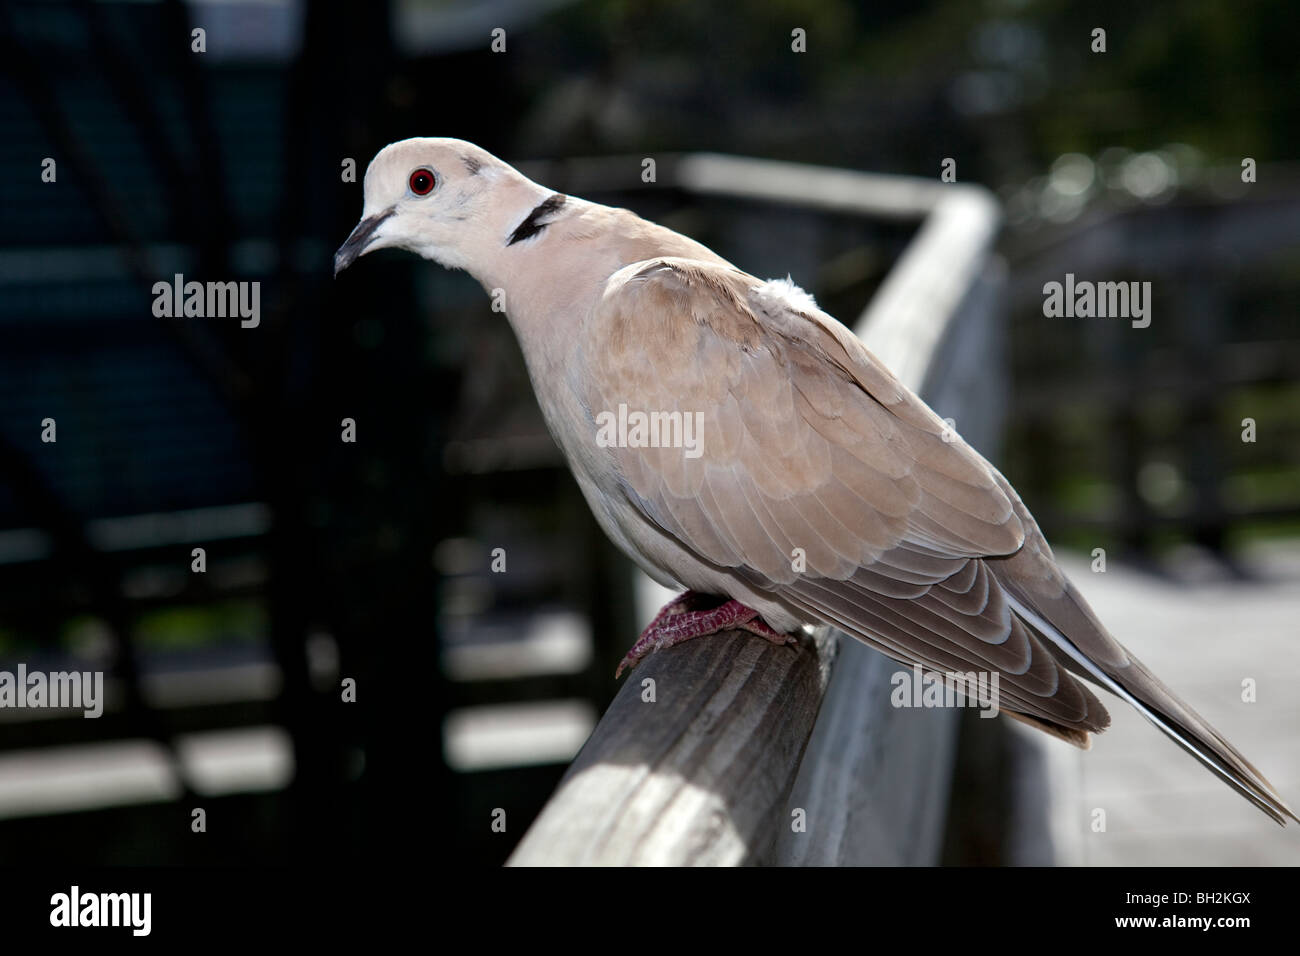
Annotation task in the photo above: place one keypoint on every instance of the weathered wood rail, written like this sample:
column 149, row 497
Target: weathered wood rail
column 743, row 740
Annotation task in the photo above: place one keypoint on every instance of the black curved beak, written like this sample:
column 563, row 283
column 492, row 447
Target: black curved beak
column 355, row 245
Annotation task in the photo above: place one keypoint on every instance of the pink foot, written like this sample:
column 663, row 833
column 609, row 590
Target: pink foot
column 682, row 618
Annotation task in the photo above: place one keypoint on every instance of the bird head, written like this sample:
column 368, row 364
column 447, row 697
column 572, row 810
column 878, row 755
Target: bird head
column 444, row 199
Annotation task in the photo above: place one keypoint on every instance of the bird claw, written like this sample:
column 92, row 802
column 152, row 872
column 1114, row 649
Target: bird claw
column 676, row 623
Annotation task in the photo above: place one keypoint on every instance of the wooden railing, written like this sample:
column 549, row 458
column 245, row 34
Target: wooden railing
column 729, row 750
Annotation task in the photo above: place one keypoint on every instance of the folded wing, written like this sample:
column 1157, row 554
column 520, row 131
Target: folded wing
column 823, row 481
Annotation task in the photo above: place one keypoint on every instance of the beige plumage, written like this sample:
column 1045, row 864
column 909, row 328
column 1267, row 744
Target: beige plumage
column 910, row 541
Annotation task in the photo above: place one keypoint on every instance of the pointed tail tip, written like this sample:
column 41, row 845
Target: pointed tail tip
column 1242, row 776
column 1283, row 821
column 1281, row 815
column 1255, row 788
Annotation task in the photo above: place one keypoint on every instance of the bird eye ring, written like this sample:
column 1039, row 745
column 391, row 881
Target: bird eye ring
column 422, row 181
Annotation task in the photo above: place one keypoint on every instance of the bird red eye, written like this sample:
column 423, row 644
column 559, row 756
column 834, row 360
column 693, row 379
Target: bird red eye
column 421, row 182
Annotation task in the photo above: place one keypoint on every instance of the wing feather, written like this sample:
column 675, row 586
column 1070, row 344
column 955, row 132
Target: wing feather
column 914, row 543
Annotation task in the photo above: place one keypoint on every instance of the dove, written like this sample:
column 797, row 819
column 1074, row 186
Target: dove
column 741, row 445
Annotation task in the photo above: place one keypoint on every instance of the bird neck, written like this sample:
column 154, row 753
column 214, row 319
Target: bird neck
column 486, row 251
column 521, row 259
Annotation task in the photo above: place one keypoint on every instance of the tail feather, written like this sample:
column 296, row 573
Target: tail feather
column 1045, row 598
column 1158, row 704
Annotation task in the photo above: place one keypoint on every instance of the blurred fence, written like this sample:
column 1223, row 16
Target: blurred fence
column 1186, row 429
